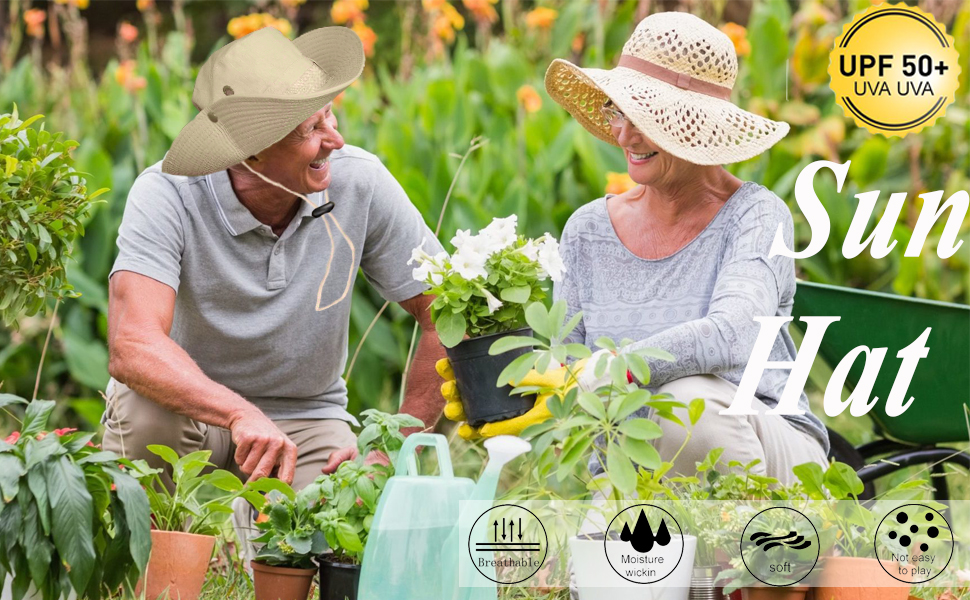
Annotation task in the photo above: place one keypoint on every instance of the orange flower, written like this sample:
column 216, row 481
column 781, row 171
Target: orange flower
column 529, row 98
column 144, row 5
column 617, row 183
column 739, row 37
column 292, row 3
column 578, row 42
column 482, row 9
column 446, row 22
column 128, row 32
column 13, row 437
column 541, row 18
column 125, row 76
column 246, row 24
column 366, row 35
column 34, row 18
column 431, row 6
column 347, row 11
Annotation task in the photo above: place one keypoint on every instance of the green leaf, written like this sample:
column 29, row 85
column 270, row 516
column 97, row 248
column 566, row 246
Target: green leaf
column 35, row 419
column 628, row 404
column 842, row 481
column 137, row 515
column 37, row 482
column 516, row 370
column 301, row 544
column 812, row 477
column 11, row 470
column 224, row 480
column 592, row 404
column 511, row 342
column 164, row 452
column 642, row 453
column 36, row 544
column 605, row 343
column 640, row 429
column 537, row 317
column 518, row 295
column 71, row 511
column 621, row 472
column 8, row 399
column 450, row 327
column 695, row 410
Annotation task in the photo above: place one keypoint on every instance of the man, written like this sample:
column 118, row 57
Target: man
column 230, row 298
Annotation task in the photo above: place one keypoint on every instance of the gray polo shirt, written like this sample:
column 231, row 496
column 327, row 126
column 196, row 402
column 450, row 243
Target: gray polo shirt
column 267, row 316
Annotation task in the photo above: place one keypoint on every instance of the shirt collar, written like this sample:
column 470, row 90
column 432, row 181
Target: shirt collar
column 236, row 217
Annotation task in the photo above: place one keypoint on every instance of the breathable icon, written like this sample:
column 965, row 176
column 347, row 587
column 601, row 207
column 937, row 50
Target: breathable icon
column 511, row 541
column 914, row 543
column 779, row 546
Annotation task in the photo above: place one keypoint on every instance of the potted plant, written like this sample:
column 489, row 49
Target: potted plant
column 482, row 291
column 852, row 573
column 184, row 519
column 589, row 427
column 72, row 520
column 283, row 568
column 347, row 499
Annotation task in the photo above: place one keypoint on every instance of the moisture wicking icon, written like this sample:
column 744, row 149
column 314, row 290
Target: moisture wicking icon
column 642, row 538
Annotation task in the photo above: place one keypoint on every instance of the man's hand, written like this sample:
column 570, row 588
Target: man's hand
column 339, row 456
column 261, row 446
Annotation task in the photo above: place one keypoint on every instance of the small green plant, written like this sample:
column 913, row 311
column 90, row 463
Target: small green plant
column 346, row 500
column 71, row 516
column 197, row 500
column 485, row 286
column 597, row 422
column 290, row 536
column 42, row 202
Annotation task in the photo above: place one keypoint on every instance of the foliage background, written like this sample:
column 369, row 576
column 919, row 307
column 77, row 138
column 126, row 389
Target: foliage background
column 118, row 77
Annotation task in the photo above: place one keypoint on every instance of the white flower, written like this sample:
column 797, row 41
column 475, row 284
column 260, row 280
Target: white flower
column 462, row 237
column 422, row 272
column 501, row 232
column 419, row 255
column 469, row 264
column 493, row 303
column 530, row 250
column 549, row 259
column 963, row 576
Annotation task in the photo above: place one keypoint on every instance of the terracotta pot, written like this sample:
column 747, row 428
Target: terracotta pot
column 281, row 583
column 845, row 578
column 177, row 565
column 774, row 593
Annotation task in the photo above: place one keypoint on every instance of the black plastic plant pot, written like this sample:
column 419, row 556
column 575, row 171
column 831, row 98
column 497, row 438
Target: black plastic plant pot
column 338, row 581
column 476, row 373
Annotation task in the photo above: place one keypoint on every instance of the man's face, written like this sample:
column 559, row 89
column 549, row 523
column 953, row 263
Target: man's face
column 301, row 160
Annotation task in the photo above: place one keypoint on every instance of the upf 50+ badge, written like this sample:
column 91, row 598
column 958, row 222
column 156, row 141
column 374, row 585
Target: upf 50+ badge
column 894, row 69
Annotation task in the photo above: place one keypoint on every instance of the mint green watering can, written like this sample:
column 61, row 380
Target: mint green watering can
column 413, row 545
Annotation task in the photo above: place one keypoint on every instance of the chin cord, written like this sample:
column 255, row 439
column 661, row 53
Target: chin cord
column 318, row 211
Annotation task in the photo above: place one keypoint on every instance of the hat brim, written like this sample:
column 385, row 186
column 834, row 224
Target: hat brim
column 236, row 127
column 692, row 126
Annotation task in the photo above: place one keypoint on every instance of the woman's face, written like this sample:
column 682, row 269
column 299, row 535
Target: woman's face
column 646, row 162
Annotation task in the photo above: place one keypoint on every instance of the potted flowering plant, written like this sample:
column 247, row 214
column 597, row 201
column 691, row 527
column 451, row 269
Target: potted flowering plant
column 185, row 519
column 482, row 291
column 72, row 519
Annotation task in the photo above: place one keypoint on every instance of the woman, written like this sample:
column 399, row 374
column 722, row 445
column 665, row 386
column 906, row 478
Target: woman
column 680, row 262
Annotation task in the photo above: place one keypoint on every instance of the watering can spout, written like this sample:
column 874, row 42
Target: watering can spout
column 501, row 450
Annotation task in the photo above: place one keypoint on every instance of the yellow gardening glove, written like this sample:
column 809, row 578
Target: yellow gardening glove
column 553, row 378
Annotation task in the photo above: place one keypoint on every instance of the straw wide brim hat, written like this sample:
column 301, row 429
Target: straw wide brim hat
column 673, row 82
column 255, row 90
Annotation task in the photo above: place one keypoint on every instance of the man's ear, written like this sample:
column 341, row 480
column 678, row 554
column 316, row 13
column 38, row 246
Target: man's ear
column 253, row 158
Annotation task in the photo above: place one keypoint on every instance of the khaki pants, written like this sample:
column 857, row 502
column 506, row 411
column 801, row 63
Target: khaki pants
column 771, row 438
column 133, row 422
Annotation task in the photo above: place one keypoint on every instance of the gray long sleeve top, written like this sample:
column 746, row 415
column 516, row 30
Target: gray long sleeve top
column 699, row 303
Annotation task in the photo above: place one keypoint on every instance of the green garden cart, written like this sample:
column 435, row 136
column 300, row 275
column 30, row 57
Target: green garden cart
column 938, row 417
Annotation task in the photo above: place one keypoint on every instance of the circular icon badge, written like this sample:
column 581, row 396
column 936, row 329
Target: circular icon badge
column 779, row 546
column 914, row 543
column 894, row 69
column 508, row 543
column 644, row 543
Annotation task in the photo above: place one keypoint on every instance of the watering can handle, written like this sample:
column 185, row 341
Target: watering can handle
column 407, row 464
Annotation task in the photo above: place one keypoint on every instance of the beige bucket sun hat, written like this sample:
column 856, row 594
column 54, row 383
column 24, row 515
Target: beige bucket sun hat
column 254, row 91
column 673, row 82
